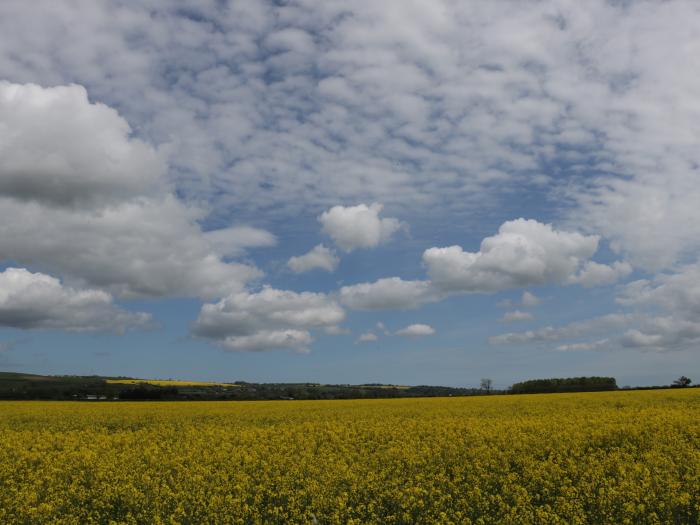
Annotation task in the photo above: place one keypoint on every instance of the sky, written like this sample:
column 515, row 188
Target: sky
column 407, row 192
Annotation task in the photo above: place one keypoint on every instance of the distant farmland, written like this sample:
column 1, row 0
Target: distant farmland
column 169, row 382
column 68, row 387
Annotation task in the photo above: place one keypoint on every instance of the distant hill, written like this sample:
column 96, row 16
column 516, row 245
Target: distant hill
column 33, row 386
column 17, row 385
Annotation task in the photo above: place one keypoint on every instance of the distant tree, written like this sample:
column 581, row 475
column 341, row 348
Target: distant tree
column 486, row 385
column 682, row 382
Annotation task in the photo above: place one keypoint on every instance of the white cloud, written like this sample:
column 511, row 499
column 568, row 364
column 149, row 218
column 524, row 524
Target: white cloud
column 367, row 337
column 336, row 330
column 677, row 293
column 665, row 318
column 359, row 226
column 523, row 253
column 592, row 345
column 576, row 329
column 319, row 103
column 79, row 212
column 319, row 257
column 59, row 149
column 529, row 299
column 652, row 218
column 144, row 247
column 637, row 339
column 662, row 333
column 517, row 315
column 235, row 240
column 267, row 320
column 38, row 301
column 672, row 302
column 596, row 274
column 635, row 330
column 392, row 293
column 416, row 330
column 373, row 102
column 266, row 340
column 351, row 119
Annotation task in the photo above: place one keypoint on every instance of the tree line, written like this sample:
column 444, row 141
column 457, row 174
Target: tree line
column 24, row 386
column 566, row 384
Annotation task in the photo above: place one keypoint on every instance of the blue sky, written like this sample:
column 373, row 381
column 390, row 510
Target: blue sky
column 406, row 192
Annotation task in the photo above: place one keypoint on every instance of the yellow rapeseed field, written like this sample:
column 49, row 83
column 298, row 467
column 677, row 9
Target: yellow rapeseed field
column 599, row 458
column 168, row 382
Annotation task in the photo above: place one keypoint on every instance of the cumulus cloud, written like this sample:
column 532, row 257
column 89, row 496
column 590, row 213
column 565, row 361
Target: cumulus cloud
column 83, row 212
column 319, row 257
column 270, row 319
column 367, row 337
column 38, row 301
column 416, row 330
column 523, row 253
column 529, row 299
column 596, row 274
column 517, row 315
column 235, row 240
column 360, row 226
column 144, row 247
column 265, row 340
column 392, row 293
column 59, row 149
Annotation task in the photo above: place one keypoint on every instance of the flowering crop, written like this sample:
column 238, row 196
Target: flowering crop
column 169, row 382
column 603, row 458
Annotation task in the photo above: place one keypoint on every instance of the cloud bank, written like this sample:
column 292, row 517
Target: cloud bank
column 75, row 201
column 38, row 301
column 523, row 253
column 439, row 110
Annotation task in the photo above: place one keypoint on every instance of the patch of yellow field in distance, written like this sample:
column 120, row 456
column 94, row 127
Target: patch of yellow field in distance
column 386, row 387
column 168, row 382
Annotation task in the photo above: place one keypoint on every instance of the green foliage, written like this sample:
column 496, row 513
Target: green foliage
column 30, row 386
column 568, row 384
